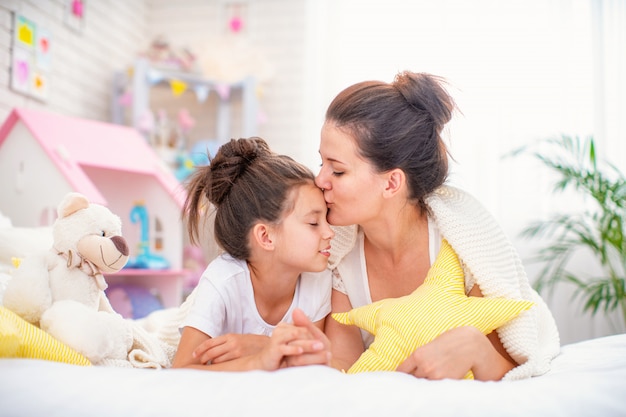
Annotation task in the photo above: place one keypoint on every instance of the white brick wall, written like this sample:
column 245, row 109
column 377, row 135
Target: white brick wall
column 115, row 31
column 82, row 63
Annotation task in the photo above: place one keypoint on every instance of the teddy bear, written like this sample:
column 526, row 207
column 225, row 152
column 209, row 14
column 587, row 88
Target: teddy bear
column 62, row 290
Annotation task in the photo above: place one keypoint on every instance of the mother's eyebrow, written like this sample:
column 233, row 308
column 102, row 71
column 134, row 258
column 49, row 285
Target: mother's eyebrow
column 336, row 161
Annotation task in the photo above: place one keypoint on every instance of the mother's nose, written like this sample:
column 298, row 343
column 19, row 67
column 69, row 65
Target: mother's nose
column 321, row 182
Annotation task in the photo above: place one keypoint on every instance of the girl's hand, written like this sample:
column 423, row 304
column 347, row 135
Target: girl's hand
column 315, row 345
column 280, row 347
column 229, row 346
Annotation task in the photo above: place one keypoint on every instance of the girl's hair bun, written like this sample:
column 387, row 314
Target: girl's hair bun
column 230, row 162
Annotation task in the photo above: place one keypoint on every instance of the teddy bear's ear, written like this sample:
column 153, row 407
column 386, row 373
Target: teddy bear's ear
column 72, row 202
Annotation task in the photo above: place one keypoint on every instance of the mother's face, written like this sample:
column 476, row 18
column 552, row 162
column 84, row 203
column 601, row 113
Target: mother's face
column 352, row 189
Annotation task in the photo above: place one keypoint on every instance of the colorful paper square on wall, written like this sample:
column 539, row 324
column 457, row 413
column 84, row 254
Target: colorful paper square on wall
column 31, row 58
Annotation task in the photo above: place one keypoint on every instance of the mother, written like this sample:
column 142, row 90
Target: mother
column 384, row 165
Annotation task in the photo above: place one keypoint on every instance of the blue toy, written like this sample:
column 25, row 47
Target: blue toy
column 186, row 163
column 198, row 156
column 145, row 259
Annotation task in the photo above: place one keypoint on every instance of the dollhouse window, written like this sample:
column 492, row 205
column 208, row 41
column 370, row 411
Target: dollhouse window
column 158, row 235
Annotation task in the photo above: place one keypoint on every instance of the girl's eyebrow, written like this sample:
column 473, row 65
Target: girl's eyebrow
column 315, row 212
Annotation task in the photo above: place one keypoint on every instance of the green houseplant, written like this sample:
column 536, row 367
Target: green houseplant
column 598, row 227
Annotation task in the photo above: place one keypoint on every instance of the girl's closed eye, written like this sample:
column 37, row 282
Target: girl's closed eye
column 338, row 173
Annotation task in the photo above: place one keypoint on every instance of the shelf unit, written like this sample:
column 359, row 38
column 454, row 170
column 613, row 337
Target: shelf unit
column 168, row 284
column 144, row 76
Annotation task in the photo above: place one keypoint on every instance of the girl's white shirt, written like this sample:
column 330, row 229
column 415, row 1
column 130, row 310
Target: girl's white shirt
column 224, row 300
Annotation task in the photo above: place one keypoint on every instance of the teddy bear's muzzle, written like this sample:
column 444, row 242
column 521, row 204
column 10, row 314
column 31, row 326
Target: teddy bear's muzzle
column 108, row 254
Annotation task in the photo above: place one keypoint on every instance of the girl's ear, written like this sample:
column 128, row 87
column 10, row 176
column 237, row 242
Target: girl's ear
column 395, row 179
column 262, row 236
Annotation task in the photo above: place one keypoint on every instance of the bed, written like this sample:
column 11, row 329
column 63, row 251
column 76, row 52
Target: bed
column 587, row 379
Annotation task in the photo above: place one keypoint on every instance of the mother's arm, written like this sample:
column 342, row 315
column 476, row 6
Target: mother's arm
column 346, row 342
column 457, row 351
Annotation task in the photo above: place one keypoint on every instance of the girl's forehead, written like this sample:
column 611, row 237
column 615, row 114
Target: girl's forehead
column 298, row 194
column 309, row 197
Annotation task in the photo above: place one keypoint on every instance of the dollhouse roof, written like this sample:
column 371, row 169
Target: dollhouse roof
column 73, row 143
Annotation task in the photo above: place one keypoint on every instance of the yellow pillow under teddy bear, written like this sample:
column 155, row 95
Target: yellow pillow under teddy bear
column 20, row 339
column 401, row 325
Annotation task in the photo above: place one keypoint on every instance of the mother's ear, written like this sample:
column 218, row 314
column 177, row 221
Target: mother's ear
column 394, row 181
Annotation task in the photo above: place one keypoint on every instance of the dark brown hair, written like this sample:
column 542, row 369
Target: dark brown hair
column 246, row 182
column 399, row 125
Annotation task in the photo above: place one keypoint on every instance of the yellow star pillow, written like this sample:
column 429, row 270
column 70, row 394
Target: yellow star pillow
column 20, row 339
column 401, row 325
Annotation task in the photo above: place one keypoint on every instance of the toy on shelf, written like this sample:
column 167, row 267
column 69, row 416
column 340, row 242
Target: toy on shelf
column 163, row 55
column 145, row 259
column 187, row 162
column 197, row 156
column 133, row 301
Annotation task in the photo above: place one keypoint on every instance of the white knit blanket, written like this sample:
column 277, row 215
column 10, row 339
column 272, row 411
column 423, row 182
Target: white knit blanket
column 491, row 261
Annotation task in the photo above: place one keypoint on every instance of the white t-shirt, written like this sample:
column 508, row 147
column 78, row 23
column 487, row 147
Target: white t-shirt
column 354, row 281
column 224, row 302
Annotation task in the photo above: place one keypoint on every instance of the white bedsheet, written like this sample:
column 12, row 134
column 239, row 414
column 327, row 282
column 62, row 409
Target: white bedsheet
column 587, row 379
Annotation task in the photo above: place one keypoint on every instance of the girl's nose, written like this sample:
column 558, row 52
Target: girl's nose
column 330, row 233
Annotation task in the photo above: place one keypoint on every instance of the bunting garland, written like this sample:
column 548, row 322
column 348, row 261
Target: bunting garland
column 154, row 76
column 202, row 92
column 223, row 90
column 178, row 87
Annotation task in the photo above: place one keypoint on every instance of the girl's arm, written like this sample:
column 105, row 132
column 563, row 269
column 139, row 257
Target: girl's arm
column 269, row 358
column 347, row 345
column 229, row 346
column 232, row 346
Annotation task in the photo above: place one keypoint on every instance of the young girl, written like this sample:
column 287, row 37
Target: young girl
column 270, row 220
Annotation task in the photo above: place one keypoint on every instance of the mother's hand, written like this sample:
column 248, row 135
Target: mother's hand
column 451, row 355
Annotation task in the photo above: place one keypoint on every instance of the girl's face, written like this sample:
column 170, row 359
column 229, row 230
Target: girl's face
column 304, row 234
column 352, row 189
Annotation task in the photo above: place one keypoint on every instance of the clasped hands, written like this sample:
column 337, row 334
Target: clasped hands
column 297, row 344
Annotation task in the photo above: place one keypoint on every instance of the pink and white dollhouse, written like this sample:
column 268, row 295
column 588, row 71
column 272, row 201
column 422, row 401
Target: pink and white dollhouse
column 44, row 155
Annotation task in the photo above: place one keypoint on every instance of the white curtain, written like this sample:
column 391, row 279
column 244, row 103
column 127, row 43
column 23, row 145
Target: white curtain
column 520, row 70
column 609, row 46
